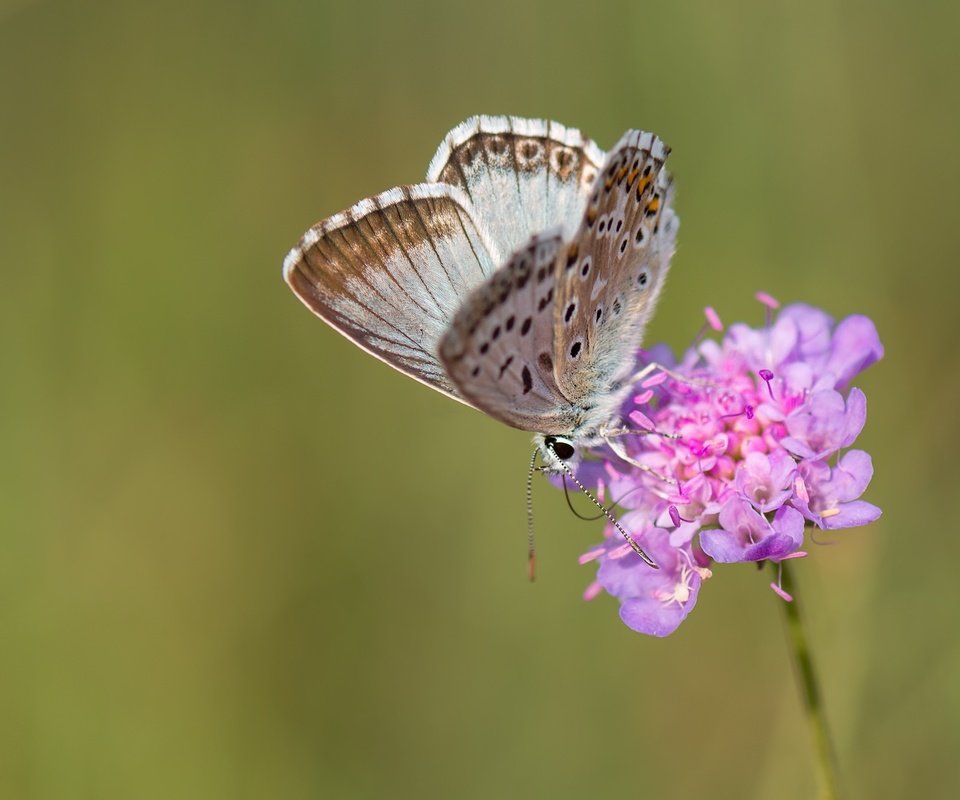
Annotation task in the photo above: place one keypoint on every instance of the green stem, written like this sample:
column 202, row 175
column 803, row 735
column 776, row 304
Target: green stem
column 809, row 689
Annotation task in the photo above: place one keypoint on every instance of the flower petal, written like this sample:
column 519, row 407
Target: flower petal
column 813, row 330
column 852, row 475
column 722, row 546
column 856, row 345
column 655, row 618
column 856, row 416
column 852, row 515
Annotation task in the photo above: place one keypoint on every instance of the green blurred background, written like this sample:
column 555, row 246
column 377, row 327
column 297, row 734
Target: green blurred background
column 241, row 559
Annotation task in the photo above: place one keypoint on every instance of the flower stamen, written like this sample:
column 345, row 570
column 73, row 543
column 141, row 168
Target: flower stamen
column 767, row 376
column 777, row 586
column 713, row 319
column 654, row 380
column 681, row 589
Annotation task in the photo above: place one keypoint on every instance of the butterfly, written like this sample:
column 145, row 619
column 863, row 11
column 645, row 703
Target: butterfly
column 517, row 279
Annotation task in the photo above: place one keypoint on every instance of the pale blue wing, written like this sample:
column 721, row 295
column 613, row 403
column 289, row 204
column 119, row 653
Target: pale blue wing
column 523, row 176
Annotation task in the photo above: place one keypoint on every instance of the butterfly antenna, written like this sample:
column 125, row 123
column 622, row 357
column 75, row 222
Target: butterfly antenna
column 626, row 536
column 531, row 542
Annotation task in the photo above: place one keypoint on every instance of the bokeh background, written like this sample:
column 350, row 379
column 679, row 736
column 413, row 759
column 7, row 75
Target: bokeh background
column 240, row 559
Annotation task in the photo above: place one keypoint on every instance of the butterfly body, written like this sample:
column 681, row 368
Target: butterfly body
column 518, row 279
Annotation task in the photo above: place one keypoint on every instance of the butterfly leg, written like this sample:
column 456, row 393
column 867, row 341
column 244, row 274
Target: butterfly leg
column 613, row 435
column 654, row 367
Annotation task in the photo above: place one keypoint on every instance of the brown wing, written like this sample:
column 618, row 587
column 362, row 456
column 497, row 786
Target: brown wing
column 390, row 273
column 614, row 269
column 498, row 349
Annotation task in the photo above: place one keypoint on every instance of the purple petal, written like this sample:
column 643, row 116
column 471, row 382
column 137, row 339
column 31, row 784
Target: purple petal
column 825, row 423
column 856, row 345
column 654, row 617
column 652, row 601
column 797, row 447
column 738, row 517
column 813, row 328
column 660, row 354
column 722, row 546
column 747, row 536
column 765, row 348
column 629, row 576
column 783, row 339
column 789, row 522
column 852, row 475
column 766, row 480
column 798, row 377
column 684, row 533
column 773, row 548
column 856, row 416
column 851, row 515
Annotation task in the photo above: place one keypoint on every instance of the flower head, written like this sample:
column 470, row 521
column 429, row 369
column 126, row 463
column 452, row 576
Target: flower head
column 747, row 448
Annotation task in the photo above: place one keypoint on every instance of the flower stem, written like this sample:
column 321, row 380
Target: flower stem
column 809, row 689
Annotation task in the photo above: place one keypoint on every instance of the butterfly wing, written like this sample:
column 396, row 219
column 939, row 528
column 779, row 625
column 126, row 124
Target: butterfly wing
column 498, row 348
column 523, row 176
column 391, row 272
column 613, row 273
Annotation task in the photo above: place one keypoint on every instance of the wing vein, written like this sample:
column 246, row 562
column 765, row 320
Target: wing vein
column 377, row 292
column 406, row 255
column 433, row 246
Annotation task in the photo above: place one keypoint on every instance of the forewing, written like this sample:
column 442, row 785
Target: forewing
column 523, row 176
column 614, row 269
column 390, row 273
column 498, row 349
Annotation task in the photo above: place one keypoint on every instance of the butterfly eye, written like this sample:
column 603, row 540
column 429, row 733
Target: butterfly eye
column 562, row 448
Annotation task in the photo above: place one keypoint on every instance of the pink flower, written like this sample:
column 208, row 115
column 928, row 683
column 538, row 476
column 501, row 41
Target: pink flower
column 739, row 460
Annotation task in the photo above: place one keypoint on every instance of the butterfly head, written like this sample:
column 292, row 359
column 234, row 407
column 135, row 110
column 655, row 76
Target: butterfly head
column 555, row 450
